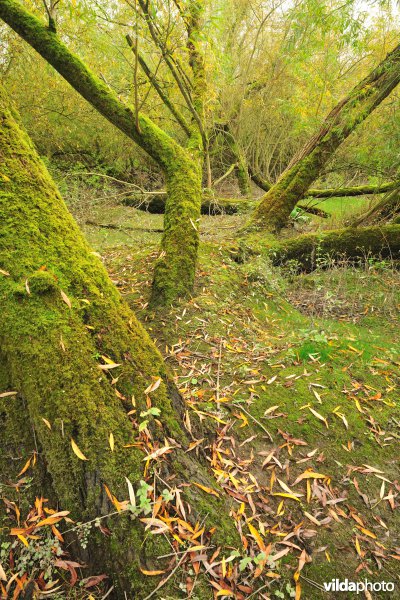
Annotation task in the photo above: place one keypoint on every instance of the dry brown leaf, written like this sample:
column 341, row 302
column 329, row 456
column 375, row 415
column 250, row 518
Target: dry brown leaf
column 66, row 299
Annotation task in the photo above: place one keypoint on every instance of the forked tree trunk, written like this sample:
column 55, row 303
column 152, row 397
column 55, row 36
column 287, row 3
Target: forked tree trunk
column 175, row 271
column 60, row 315
column 275, row 207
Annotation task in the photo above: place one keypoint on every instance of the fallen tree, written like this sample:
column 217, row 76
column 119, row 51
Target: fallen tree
column 155, row 204
column 349, row 192
column 78, row 363
column 277, row 204
column 322, row 249
column 210, row 205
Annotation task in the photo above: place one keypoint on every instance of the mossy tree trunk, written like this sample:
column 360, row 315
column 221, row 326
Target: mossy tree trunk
column 60, row 314
column 351, row 192
column 242, row 177
column 276, row 205
column 324, row 249
column 168, row 154
column 175, row 269
column 175, row 272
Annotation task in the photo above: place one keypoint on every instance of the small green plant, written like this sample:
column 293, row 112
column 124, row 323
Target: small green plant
column 152, row 412
column 143, row 503
column 39, row 556
column 313, row 335
column 83, row 533
column 378, row 264
column 167, row 495
column 298, row 216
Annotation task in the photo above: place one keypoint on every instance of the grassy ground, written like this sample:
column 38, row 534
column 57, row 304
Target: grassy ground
column 341, row 209
column 295, row 375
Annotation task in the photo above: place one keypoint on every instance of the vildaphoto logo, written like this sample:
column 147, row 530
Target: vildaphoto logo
column 336, row 585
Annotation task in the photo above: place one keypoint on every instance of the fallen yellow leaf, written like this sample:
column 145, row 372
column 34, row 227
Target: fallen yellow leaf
column 77, row 451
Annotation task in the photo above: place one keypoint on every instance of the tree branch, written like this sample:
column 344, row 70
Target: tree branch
column 153, row 80
column 160, row 146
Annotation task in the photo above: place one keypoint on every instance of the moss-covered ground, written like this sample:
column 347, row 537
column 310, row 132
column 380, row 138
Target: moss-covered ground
column 293, row 374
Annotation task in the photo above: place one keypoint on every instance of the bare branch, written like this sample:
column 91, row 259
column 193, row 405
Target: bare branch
column 153, row 80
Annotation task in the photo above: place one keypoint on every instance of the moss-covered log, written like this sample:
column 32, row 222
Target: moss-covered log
column 349, row 192
column 155, row 204
column 322, row 249
column 343, row 192
column 179, row 164
column 276, row 205
column 60, row 316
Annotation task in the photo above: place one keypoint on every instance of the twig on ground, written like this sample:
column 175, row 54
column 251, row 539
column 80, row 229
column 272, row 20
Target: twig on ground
column 254, row 419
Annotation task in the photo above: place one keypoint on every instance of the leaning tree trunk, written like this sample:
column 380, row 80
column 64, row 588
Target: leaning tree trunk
column 275, row 207
column 342, row 192
column 61, row 319
column 175, row 272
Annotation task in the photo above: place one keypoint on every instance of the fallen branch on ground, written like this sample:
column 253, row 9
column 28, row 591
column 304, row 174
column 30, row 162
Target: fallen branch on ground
column 118, row 228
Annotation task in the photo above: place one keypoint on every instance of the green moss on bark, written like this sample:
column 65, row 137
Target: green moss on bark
column 274, row 209
column 319, row 249
column 276, row 205
column 175, row 272
column 243, row 179
column 175, row 269
column 60, row 313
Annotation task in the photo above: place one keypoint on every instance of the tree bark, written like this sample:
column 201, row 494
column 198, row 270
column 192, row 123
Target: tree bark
column 242, row 177
column 60, row 315
column 349, row 192
column 276, row 205
column 174, row 271
column 168, row 154
column 354, row 244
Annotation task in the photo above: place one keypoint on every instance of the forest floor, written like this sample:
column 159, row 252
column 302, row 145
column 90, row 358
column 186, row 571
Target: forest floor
column 298, row 376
